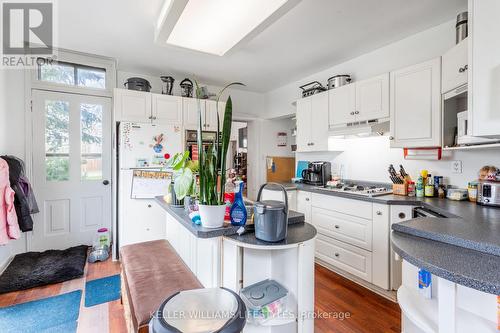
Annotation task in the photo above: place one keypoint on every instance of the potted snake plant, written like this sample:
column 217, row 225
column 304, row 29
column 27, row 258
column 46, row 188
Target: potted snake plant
column 212, row 165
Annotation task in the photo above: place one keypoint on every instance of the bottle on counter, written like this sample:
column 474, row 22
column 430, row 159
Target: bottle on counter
column 411, row 189
column 419, row 188
column 429, row 186
column 229, row 194
column 472, row 189
column 238, row 211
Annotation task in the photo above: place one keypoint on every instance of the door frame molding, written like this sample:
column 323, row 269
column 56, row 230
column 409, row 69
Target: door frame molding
column 31, row 83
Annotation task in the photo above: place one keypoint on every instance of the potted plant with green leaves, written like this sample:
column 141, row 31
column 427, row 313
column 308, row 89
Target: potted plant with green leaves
column 183, row 180
column 212, row 164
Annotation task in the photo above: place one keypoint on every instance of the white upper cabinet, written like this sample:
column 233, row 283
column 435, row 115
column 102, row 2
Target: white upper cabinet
column 342, row 104
column 167, row 109
column 359, row 101
column 372, row 98
column 312, row 123
column 131, row 105
column 211, row 115
column 455, row 67
column 190, row 112
column 415, row 103
column 303, row 115
column 484, row 67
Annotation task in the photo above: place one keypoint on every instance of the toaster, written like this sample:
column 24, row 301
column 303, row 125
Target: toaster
column 488, row 193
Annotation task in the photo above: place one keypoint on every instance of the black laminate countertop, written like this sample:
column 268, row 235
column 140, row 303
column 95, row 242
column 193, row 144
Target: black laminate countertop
column 464, row 247
column 294, row 218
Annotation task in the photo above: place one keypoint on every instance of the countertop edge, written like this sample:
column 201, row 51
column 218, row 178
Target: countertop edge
column 481, row 285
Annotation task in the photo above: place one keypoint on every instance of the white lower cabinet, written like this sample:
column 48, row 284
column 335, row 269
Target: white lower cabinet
column 304, row 204
column 202, row 256
column 349, row 258
column 353, row 236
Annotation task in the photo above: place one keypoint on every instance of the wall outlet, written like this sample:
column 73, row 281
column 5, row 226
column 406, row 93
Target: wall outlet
column 456, row 166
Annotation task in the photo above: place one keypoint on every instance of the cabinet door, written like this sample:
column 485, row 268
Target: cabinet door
column 416, row 105
column 304, row 124
column 319, row 122
column 372, row 98
column 167, row 109
column 211, row 115
column 190, row 112
column 342, row 103
column 381, row 246
column 455, row 67
column 484, row 77
column 304, row 205
column 131, row 105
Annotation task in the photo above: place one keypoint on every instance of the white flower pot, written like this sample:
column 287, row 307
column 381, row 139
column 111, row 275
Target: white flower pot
column 212, row 216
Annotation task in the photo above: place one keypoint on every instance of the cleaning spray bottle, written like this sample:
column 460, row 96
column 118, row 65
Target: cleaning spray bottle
column 238, row 211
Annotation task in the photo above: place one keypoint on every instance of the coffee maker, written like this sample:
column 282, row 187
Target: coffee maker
column 317, row 173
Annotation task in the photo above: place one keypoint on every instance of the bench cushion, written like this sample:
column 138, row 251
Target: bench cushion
column 152, row 271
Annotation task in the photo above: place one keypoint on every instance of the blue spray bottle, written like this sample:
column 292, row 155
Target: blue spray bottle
column 238, row 212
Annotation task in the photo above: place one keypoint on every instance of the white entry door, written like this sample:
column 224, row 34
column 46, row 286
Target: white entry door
column 71, row 168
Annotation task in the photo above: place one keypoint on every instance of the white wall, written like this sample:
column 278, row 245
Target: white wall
column 368, row 159
column 12, row 136
column 423, row 46
column 247, row 105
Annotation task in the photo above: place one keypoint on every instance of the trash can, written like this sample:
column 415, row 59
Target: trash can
column 200, row 310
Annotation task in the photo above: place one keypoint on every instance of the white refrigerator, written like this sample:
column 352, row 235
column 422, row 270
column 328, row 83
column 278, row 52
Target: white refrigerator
column 143, row 149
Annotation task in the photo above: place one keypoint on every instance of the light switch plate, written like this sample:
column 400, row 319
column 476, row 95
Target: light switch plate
column 456, row 166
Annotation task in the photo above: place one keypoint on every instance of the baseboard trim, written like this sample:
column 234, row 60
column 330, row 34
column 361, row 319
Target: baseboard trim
column 6, row 263
column 390, row 295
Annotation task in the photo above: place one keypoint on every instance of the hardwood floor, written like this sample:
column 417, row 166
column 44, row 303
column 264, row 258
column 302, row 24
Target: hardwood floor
column 107, row 317
column 368, row 312
column 335, row 296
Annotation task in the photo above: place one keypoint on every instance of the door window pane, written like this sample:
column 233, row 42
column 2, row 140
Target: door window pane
column 58, row 73
column 91, row 78
column 57, row 140
column 91, row 141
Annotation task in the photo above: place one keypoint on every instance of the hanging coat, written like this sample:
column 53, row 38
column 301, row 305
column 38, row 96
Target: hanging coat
column 21, row 202
column 9, row 227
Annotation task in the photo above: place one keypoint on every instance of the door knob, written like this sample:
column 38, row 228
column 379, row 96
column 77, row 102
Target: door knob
column 391, row 138
column 105, row 182
column 337, row 226
column 357, row 112
column 379, row 212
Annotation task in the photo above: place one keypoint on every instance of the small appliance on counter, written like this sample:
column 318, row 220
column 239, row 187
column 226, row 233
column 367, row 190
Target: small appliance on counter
column 271, row 216
column 339, row 81
column 168, row 85
column 137, row 83
column 488, row 193
column 312, row 88
column 317, row 173
column 186, row 88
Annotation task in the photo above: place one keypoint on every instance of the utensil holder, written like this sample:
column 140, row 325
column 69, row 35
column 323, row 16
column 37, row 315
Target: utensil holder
column 400, row 189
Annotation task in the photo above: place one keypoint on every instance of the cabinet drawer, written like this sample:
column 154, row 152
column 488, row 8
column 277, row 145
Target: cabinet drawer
column 352, row 207
column 347, row 228
column 349, row 258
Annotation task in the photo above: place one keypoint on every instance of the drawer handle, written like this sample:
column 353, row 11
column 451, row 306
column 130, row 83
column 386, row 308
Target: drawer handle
column 307, row 199
column 379, row 212
column 337, row 255
column 463, row 69
column 352, row 113
column 357, row 112
column 337, row 226
column 402, row 215
column 149, row 206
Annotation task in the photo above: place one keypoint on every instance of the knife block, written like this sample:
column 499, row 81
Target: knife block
column 400, row 189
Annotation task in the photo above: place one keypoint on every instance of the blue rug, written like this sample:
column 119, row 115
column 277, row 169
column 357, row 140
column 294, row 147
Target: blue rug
column 102, row 290
column 52, row 314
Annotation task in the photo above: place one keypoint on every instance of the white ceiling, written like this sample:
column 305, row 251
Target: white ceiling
column 314, row 35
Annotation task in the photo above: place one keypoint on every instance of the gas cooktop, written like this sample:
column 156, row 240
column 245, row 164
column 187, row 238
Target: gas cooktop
column 362, row 190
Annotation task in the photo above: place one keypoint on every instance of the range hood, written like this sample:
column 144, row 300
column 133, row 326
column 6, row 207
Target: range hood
column 364, row 128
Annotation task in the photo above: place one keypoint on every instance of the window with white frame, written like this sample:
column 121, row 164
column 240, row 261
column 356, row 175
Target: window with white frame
column 72, row 74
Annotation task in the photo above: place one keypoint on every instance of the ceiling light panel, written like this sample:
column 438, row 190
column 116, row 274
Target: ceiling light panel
column 216, row 26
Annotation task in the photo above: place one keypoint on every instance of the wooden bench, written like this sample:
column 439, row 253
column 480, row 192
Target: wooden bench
column 151, row 271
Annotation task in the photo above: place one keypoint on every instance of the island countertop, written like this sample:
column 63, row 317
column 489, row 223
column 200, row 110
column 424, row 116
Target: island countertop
column 299, row 230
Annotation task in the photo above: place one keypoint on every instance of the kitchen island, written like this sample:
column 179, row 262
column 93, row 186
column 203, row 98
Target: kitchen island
column 221, row 257
column 463, row 256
